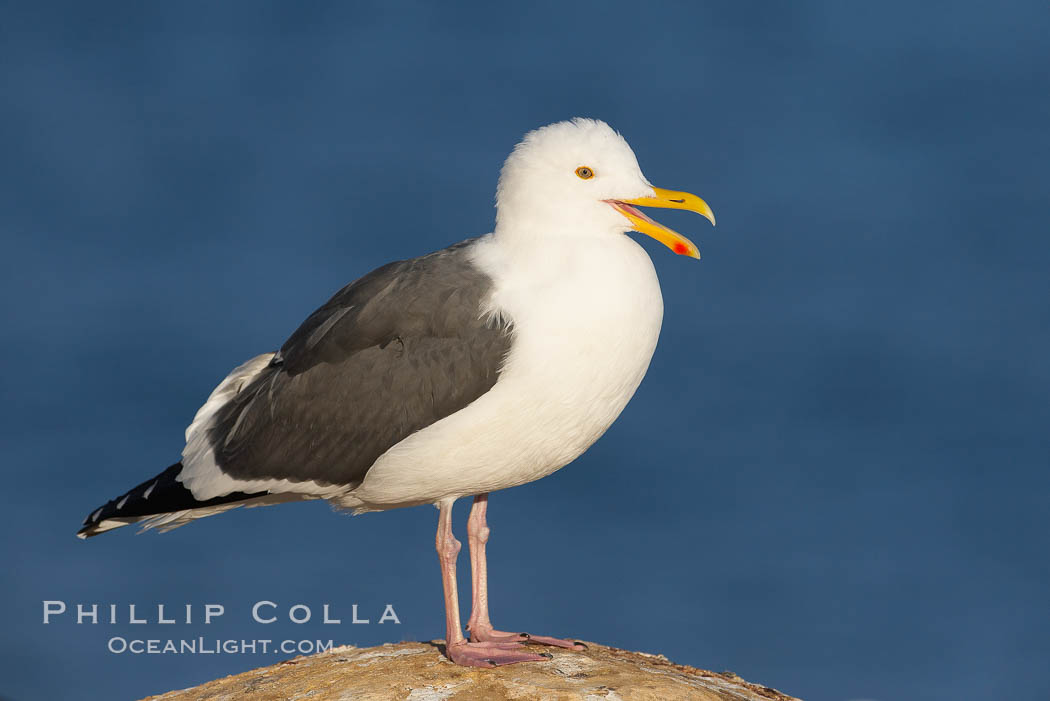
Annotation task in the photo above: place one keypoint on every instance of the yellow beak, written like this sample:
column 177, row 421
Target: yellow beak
column 669, row 199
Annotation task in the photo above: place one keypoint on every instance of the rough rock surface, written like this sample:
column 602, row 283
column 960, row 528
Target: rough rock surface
column 419, row 672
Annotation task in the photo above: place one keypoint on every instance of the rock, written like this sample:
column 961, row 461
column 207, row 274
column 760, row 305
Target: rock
column 419, row 672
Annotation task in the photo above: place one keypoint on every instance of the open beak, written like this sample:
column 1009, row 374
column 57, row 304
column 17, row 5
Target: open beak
column 669, row 199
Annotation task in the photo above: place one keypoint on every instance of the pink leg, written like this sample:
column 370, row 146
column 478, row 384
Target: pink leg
column 457, row 649
column 480, row 627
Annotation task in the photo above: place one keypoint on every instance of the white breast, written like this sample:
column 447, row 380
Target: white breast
column 586, row 316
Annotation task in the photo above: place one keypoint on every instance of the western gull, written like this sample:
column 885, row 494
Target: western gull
column 486, row 365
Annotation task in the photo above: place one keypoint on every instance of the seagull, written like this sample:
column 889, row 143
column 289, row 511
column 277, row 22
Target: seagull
column 486, row 365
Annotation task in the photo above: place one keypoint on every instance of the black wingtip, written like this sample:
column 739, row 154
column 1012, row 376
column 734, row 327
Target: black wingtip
column 130, row 504
column 87, row 531
column 162, row 494
column 90, row 525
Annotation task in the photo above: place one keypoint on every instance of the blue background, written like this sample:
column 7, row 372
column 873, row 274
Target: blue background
column 834, row 478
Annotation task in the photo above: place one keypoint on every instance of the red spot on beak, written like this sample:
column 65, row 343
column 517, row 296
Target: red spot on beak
column 681, row 249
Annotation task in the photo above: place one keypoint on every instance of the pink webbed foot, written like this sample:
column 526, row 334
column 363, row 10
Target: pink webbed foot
column 481, row 630
column 556, row 642
column 488, row 634
column 491, row 654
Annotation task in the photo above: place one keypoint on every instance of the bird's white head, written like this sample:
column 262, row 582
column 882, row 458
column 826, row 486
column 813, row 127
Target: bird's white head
column 581, row 178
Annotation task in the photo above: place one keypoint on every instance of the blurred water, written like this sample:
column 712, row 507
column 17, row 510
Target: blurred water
column 834, row 478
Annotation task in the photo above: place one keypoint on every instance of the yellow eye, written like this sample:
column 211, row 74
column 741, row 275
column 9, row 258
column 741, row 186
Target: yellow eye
column 585, row 172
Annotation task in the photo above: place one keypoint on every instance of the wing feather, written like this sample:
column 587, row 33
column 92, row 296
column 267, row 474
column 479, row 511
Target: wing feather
column 388, row 355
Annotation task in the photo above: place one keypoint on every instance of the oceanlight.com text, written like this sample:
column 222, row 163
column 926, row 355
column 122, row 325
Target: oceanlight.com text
column 214, row 646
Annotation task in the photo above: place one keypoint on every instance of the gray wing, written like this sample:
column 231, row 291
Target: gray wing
column 388, row 355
